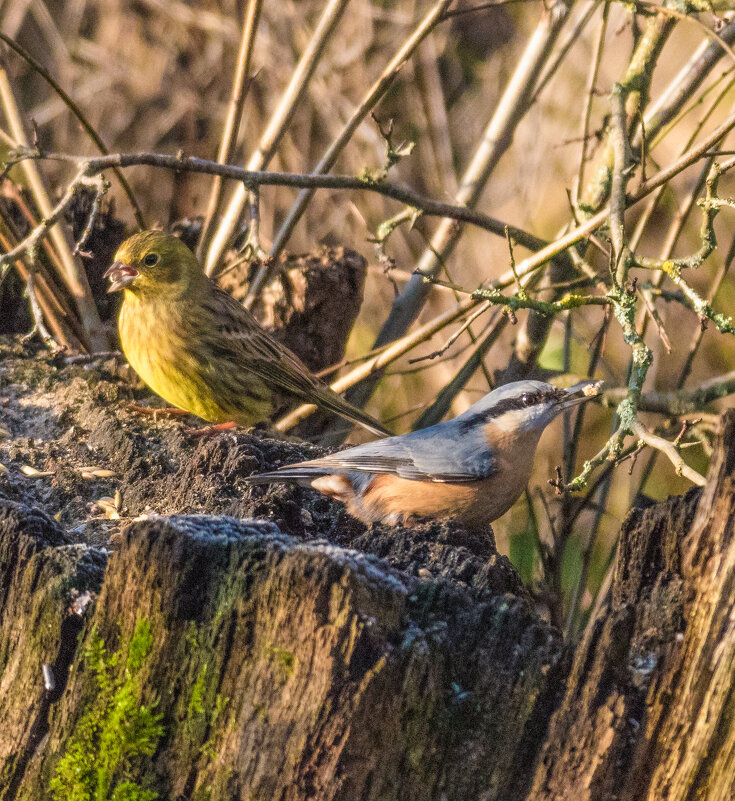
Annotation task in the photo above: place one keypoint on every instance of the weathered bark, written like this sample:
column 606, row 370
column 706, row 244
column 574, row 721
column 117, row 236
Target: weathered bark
column 649, row 705
column 336, row 676
column 44, row 582
column 300, row 309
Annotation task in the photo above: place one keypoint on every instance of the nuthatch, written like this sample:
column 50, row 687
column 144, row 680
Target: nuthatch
column 472, row 468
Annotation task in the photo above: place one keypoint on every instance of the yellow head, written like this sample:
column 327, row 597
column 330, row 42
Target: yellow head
column 153, row 264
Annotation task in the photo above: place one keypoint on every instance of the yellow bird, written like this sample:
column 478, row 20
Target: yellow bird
column 198, row 348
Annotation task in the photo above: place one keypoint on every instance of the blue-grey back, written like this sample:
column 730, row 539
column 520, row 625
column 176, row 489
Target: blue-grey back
column 446, row 451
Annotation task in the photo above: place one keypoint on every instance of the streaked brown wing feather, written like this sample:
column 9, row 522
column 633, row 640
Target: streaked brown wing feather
column 240, row 339
column 258, row 351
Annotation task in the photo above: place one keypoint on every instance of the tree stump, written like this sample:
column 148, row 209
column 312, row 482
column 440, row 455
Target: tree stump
column 220, row 658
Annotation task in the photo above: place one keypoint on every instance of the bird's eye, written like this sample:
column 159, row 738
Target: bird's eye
column 150, row 259
column 528, row 399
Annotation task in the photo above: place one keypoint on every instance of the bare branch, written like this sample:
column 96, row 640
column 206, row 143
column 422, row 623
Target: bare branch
column 680, row 402
column 669, row 450
column 277, row 126
column 240, row 85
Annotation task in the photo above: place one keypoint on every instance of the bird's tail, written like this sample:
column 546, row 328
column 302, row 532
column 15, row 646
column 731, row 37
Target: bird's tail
column 294, row 473
column 331, row 401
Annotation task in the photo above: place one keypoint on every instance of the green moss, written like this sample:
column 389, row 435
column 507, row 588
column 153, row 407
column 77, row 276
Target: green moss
column 108, row 757
column 7, row 769
column 262, row 713
column 192, row 635
column 196, row 717
column 202, row 715
column 196, row 703
column 210, row 747
column 285, row 660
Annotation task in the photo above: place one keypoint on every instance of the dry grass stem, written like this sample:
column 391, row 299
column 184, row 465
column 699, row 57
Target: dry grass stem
column 277, row 127
column 232, row 122
column 71, row 271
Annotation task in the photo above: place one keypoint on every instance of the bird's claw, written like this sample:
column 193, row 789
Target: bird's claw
column 210, row 431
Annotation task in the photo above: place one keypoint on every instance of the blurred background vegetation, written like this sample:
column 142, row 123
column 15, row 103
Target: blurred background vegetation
column 156, row 75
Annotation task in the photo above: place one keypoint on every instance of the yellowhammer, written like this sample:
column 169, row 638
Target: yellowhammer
column 198, row 348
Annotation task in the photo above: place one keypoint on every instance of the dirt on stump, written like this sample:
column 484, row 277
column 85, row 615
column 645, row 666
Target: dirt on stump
column 72, row 447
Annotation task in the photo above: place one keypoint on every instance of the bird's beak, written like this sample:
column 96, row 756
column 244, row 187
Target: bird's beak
column 579, row 393
column 120, row 275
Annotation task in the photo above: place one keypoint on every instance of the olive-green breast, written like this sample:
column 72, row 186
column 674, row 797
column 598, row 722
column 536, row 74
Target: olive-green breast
column 160, row 344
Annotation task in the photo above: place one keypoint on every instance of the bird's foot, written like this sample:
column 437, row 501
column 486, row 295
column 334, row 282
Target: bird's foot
column 210, row 431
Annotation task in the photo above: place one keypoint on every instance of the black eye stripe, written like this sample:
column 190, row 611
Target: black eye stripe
column 513, row 405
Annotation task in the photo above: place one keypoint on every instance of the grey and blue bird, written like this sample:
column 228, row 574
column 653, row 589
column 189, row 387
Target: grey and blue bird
column 472, row 468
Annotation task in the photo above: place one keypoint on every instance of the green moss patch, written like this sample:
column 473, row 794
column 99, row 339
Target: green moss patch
column 109, row 754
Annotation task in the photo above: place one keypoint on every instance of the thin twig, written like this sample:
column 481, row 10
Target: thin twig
column 589, row 95
column 277, row 126
column 452, row 339
column 102, row 189
column 386, row 357
column 256, row 178
column 38, row 324
column 573, row 36
column 669, row 450
column 679, row 402
column 683, row 86
column 620, row 177
column 446, row 396
column 71, row 271
column 496, row 139
column 77, row 112
column 662, row 9
column 368, row 102
column 93, row 166
column 240, row 85
column 699, row 331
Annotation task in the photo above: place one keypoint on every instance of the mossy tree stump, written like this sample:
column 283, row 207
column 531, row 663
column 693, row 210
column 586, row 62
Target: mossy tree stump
column 280, row 669
column 222, row 659
column 45, row 584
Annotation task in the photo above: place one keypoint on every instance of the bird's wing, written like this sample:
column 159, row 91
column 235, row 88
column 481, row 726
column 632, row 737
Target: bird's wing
column 248, row 344
column 443, row 453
